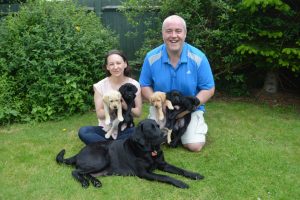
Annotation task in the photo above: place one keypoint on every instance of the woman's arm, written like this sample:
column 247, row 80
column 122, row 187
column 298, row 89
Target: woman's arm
column 99, row 105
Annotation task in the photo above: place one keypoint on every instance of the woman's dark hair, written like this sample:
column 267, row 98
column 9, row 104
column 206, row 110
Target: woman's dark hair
column 120, row 53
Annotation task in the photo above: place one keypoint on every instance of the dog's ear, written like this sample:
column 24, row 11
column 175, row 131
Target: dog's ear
column 163, row 97
column 134, row 89
column 138, row 135
column 119, row 95
column 151, row 98
column 106, row 99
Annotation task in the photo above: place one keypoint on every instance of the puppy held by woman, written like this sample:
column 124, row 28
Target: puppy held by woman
column 112, row 102
column 118, row 73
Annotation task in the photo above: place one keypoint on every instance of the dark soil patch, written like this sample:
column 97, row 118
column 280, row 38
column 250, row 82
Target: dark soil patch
column 287, row 98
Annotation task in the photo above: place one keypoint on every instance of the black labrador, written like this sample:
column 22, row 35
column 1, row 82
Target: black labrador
column 139, row 155
column 179, row 118
column 128, row 92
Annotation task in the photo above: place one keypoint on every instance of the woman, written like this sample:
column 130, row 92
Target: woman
column 118, row 72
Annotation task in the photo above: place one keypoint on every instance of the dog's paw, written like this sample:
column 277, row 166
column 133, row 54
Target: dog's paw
column 121, row 119
column 181, row 184
column 107, row 135
column 198, row 177
column 114, row 136
column 173, row 144
column 85, row 184
column 161, row 117
column 96, row 183
column 194, row 176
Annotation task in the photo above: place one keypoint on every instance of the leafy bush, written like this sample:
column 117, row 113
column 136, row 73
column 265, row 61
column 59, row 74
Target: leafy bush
column 51, row 54
column 271, row 29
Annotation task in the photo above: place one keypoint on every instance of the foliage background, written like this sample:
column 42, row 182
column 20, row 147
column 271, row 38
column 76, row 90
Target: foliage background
column 51, row 53
column 242, row 38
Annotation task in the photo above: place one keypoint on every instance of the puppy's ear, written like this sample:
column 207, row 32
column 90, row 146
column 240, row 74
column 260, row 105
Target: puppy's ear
column 106, row 99
column 163, row 97
column 134, row 89
column 119, row 95
column 151, row 99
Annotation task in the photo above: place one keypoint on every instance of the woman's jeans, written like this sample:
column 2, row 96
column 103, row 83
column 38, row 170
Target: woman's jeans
column 90, row 134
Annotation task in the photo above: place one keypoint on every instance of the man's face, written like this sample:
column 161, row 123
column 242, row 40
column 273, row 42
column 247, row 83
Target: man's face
column 174, row 35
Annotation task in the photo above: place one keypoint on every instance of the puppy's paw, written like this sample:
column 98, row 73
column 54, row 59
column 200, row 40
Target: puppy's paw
column 120, row 119
column 114, row 136
column 124, row 127
column 169, row 105
column 169, row 136
column 106, row 128
column 161, row 117
column 107, row 135
column 107, row 121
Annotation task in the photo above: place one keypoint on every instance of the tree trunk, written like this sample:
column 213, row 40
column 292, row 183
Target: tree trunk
column 271, row 82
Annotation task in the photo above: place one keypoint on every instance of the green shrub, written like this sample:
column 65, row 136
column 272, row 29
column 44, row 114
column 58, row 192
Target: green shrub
column 51, row 54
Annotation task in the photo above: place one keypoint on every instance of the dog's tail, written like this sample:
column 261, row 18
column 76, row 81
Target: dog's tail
column 68, row 161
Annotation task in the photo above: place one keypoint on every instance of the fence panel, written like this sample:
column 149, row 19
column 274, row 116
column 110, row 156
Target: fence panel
column 107, row 10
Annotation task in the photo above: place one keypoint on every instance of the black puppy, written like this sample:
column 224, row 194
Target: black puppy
column 139, row 155
column 176, row 99
column 179, row 118
column 128, row 92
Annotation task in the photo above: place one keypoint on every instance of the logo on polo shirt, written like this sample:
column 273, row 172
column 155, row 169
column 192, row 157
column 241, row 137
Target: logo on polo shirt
column 188, row 72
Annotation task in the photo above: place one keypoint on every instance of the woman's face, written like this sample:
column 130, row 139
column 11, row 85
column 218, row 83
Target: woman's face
column 116, row 65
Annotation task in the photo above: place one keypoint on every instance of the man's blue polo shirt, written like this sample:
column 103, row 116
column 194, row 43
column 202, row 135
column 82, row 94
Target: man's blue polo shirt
column 191, row 75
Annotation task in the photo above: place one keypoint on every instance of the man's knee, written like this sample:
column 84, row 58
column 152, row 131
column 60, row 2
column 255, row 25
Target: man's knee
column 194, row 147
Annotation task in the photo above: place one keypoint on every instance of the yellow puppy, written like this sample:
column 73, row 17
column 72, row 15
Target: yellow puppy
column 159, row 100
column 113, row 112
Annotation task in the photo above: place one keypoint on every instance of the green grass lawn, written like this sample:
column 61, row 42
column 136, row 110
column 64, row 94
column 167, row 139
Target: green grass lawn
column 252, row 152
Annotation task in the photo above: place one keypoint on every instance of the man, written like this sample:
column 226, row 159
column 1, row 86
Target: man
column 176, row 65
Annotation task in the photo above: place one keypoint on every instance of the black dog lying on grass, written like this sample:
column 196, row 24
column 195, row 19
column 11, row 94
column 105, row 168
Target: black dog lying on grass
column 179, row 118
column 128, row 92
column 139, row 155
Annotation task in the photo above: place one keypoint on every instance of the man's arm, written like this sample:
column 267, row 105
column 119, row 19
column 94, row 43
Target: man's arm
column 205, row 95
column 146, row 93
